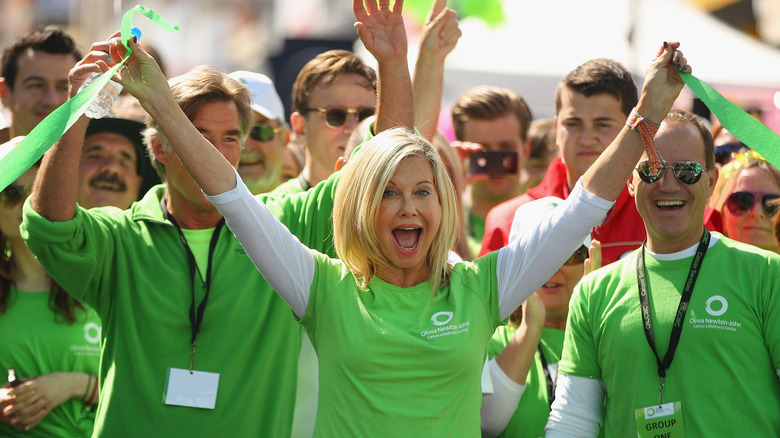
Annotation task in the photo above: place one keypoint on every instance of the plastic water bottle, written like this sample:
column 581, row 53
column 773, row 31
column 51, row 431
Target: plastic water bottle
column 101, row 104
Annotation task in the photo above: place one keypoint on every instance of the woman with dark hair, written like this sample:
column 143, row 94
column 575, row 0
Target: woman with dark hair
column 50, row 341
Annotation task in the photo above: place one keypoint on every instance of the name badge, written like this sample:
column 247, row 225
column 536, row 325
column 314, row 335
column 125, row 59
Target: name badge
column 664, row 421
column 196, row 389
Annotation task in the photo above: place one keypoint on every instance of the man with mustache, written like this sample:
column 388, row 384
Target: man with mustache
column 112, row 170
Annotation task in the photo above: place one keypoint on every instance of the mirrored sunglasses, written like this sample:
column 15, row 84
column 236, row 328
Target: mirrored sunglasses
column 15, row 193
column 264, row 132
column 337, row 117
column 578, row 257
column 687, row 172
column 739, row 203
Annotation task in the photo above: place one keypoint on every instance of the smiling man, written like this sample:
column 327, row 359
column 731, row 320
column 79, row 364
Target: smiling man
column 35, row 77
column 113, row 169
column 683, row 335
column 261, row 160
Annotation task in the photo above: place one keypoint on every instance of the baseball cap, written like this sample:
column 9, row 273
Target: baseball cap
column 265, row 99
column 531, row 213
column 133, row 131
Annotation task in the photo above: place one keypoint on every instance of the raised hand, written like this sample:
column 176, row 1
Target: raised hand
column 593, row 261
column 440, row 33
column 140, row 76
column 380, row 28
column 662, row 82
column 98, row 51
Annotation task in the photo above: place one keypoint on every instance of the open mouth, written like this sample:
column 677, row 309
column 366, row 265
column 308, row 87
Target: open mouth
column 669, row 205
column 552, row 285
column 407, row 238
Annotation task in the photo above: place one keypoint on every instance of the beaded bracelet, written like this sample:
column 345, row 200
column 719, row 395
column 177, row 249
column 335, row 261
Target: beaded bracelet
column 647, row 131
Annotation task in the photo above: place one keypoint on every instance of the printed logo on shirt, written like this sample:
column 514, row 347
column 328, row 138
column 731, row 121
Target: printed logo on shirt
column 715, row 306
column 92, row 336
column 443, row 327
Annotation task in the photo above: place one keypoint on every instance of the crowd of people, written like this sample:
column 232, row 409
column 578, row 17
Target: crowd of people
column 196, row 264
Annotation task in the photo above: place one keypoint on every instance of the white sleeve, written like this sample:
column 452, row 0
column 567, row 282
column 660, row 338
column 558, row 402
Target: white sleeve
column 527, row 262
column 576, row 411
column 284, row 261
column 499, row 407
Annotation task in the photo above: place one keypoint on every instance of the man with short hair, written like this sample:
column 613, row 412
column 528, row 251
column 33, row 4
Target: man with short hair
column 332, row 94
column 113, row 170
column 683, row 334
column 591, row 106
column 34, row 78
column 261, row 161
column 498, row 119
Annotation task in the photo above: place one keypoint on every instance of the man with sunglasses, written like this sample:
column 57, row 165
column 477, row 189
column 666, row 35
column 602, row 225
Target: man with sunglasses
column 332, row 94
column 260, row 166
column 683, row 334
column 591, row 105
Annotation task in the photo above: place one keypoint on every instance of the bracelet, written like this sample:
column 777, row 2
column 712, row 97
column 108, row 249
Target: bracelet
column 647, row 131
column 86, row 390
column 94, row 392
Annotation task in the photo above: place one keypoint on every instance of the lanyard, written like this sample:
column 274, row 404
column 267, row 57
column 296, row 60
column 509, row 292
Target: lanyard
column 196, row 319
column 547, row 377
column 679, row 318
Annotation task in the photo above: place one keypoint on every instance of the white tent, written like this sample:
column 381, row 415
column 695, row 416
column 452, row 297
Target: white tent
column 541, row 41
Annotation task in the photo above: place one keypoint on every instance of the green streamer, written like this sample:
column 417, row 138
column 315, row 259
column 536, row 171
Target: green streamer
column 745, row 127
column 15, row 161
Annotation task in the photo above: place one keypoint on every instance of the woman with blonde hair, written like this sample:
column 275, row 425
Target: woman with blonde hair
column 745, row 195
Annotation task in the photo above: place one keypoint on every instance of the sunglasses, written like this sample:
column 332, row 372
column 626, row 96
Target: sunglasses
column 15, row 193
column 578, row 257
column 739, row 203
column 264, row 132
column 337, row 117
column 724, row 151
column 687, row 172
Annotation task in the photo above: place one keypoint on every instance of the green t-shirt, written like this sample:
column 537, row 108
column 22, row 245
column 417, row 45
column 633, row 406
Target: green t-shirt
column 36, row 341
column 532, row 411
column 476, row 231
column 131, row 267
column 724, row 369
column 399, row 362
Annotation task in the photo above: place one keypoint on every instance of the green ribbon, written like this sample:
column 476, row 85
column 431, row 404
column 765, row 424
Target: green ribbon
column 744, row 126
column 14, row 161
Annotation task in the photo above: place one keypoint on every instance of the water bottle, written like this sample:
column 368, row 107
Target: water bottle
column 101, row 104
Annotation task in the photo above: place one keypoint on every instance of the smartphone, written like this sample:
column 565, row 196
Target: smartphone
column 12, row 378
column 493, row 163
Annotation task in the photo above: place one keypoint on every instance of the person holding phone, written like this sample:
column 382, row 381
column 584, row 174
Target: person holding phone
column 497, row 119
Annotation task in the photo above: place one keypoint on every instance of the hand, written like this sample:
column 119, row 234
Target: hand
column 140, row 76
column 381, row 29
column 593, row 261
column 29, row 403
column 98, row 51
column 440, row 33
column 464, row 149
column 662, row 82
column 533, row 314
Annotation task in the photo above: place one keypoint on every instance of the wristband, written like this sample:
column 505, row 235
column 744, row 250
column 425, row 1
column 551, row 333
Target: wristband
column 86, row 390
column 647, row 131
column 94, row 392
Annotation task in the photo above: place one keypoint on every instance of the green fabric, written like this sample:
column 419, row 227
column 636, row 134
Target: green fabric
column 724, row 369
column 35, row 342
column 386, row 370
column 16, row 161
column 531, row 415
column 130, row 265
column 489, row 11
column 476, row 233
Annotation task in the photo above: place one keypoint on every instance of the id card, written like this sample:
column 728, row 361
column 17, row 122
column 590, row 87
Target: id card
column 664, row 421
column 196, row 390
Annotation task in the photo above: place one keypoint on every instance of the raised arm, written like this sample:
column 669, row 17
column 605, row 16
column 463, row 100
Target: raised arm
column 381, row 29
column 56, row 185
column 439, row 36
column 608, row 175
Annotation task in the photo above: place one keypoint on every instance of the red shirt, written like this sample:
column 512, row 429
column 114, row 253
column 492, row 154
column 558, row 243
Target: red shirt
column 621, row 231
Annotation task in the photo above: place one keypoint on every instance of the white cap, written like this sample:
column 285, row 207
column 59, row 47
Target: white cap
column 531, row 213
column 265, row 99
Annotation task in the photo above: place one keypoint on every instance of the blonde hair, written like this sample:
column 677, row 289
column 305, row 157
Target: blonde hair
column 359, row 194
column 730, row 172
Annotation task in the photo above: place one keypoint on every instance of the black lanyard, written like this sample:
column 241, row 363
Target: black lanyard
column 196, row 319
column 547, row 377
column 682, row 308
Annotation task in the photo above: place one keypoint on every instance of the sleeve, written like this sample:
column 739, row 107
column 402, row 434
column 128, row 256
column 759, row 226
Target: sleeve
column 499, row 407
column 576, row 411
column 284, row 261
column 529, row 261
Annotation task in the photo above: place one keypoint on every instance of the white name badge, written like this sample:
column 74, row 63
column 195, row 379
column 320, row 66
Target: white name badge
column 196, row 390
